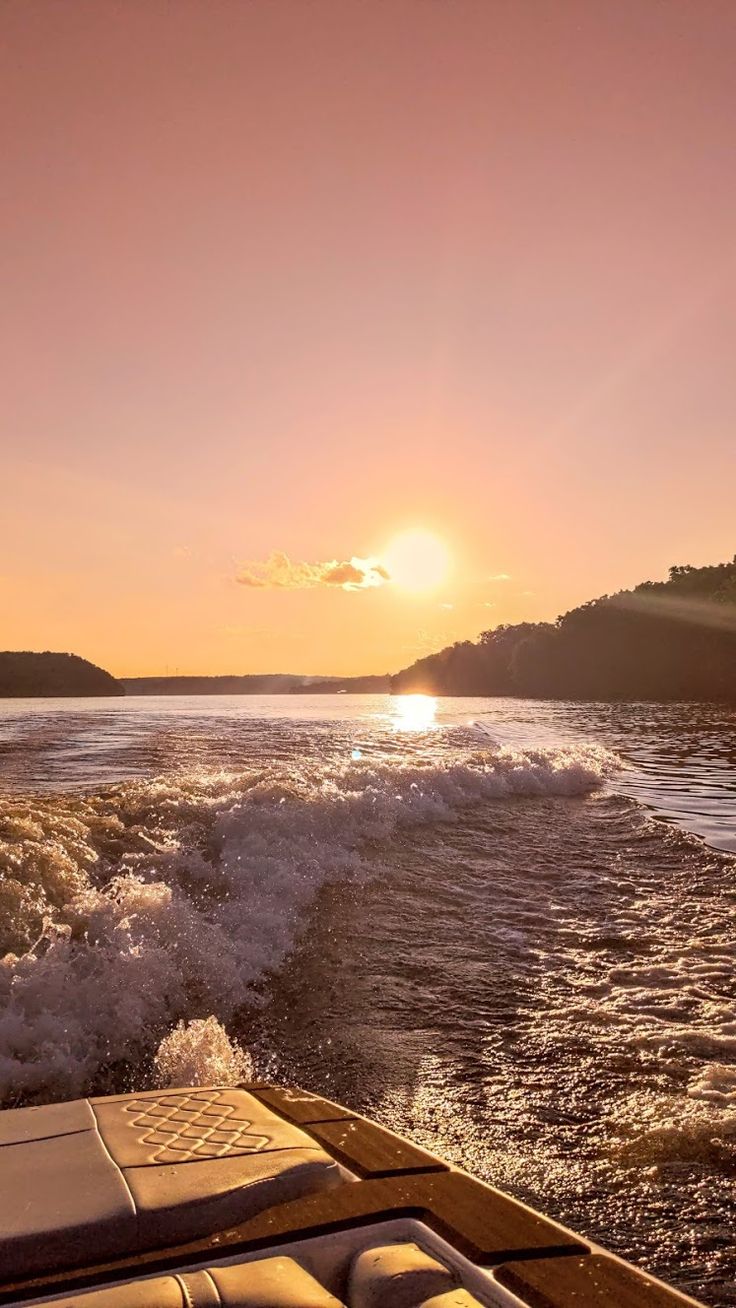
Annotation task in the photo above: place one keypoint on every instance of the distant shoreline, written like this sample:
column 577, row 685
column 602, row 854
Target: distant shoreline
column 255, row 684
column 26, row 674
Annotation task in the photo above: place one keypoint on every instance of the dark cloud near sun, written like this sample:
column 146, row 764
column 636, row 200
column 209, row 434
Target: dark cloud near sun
column 357, row 574
column 279, row 572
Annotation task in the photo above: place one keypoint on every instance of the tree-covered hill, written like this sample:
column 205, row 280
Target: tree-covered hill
column 23, row 673
column 673, row 640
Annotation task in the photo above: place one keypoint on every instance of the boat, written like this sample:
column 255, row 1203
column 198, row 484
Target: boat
column 259, row 1196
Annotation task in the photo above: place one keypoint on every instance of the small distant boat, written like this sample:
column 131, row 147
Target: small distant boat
column 262, row 1197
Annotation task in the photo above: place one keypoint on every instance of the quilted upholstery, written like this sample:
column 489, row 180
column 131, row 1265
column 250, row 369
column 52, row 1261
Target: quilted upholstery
column 93, row 1179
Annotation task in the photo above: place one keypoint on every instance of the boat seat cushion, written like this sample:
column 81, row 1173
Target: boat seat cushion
column 270, row 1283
column 267, row 1283
column 401, row 1275
column 94, row 1179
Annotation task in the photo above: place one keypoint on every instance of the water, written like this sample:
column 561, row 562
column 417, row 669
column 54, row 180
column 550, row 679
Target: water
column 504, row 928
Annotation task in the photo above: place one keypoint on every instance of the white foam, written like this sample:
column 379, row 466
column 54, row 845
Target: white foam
column 715, row 1084
column 661, row 1133
column 170, row 898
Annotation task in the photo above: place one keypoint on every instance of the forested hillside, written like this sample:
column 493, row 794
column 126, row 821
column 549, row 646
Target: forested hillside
column 25, row 673
column 674, row 639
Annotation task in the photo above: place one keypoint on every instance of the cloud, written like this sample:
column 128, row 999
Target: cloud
column 279, row 572
column 500, row 576
column 357, row 574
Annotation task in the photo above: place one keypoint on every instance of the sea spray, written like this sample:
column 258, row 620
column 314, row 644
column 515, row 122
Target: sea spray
column 201, row 1053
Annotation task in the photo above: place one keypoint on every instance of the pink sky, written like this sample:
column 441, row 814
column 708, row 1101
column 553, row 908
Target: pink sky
column 293, row 275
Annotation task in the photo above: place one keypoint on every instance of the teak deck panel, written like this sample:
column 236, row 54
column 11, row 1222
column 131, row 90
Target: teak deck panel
column 358, row 1143
column 371, row 1150
column 595, row 1282
column 299, row 1106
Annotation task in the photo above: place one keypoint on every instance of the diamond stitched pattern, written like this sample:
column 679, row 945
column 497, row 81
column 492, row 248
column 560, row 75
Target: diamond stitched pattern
column 181, row 1128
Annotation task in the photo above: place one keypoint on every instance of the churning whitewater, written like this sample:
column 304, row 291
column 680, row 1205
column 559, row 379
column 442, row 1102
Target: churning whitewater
column 504, row 928
column 125, row 911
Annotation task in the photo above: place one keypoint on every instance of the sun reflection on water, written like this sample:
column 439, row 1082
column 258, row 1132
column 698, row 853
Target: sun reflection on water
column 414, row 712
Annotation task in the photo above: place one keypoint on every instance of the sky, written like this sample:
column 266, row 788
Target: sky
column 284, row 279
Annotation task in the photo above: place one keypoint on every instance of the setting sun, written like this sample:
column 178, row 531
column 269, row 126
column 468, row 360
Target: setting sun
column 417, row 560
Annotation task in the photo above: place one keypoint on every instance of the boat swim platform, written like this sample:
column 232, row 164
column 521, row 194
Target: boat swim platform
column 257, row 1196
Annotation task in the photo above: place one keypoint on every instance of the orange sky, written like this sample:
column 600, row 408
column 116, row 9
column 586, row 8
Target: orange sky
column 290, row 276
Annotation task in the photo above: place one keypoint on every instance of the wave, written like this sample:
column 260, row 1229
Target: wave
column 129, row 910
column 660, row 1133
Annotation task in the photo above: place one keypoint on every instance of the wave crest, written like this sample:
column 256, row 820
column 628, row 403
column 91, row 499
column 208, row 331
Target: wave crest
column 171, row 898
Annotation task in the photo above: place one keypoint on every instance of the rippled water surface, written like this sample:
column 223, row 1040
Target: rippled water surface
column 505, row 928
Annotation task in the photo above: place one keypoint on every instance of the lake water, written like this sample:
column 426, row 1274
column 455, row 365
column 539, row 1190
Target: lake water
column 505, row 928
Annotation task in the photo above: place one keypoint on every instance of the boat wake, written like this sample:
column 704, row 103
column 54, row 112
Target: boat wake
column 154, row 901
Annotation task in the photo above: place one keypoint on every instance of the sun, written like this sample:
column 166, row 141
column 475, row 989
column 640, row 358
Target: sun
column 417, row 560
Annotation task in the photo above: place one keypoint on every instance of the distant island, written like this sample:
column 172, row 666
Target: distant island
column 670, row 640
column 27, row 674
column 375, row 685
column 24, row 674
column 275, row 683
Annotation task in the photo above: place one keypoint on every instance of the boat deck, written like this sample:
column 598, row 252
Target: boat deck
column 343, row 1185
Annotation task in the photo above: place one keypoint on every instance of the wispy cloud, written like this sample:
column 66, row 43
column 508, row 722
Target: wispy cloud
column 499, row 576
column 279, row 572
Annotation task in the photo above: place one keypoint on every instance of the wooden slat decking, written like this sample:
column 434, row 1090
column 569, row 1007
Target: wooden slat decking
column 593, row 1282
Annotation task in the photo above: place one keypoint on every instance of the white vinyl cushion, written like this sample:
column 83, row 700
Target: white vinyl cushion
column 387, row 1276
column 399, row 1275
column 266, row 1283
column 90, row 1180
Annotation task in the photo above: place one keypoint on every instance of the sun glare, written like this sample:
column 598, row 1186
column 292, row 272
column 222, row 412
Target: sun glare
column 417, row 560
column 413, row 712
